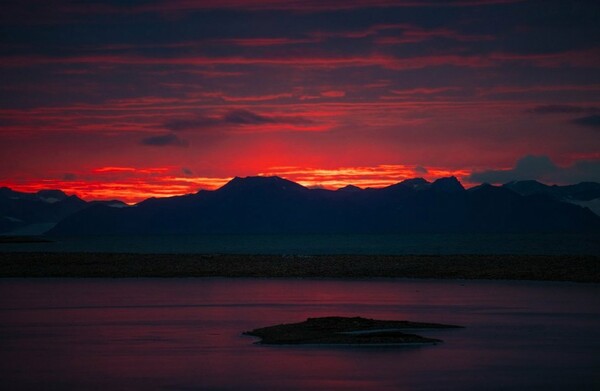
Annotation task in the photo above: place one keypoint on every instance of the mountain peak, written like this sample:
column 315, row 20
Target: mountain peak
column 259, row 182
column 527, row 187
column 415, row 183
column 483, row 186
column 349, row 189
column 448, row 185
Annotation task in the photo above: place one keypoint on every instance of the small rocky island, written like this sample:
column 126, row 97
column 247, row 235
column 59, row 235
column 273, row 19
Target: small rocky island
column 346, row 331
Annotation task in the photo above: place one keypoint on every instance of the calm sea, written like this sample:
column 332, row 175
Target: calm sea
column 185, row 334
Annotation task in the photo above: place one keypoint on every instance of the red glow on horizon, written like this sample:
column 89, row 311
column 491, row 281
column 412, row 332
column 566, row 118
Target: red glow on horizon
column 363, row 177
column 143, row 183
column 130, row 192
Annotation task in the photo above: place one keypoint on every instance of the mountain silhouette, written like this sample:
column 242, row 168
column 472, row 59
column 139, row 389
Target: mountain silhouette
column 273, row 205
column 585, row 194
column 35, row 213
column 584, row 191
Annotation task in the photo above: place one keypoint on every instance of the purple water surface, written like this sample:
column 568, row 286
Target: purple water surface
column 185, row 334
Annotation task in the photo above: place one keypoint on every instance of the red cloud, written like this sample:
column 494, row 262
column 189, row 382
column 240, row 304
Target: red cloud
column 333, row 93
column 584, row 58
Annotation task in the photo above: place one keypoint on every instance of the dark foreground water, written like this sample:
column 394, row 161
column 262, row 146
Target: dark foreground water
column 184, row 334
column 544, row 244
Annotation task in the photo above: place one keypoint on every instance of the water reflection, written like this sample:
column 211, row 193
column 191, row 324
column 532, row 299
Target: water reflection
column 181, row 334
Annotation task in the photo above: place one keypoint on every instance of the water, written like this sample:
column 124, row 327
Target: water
column 550, row 244
column 184, row 334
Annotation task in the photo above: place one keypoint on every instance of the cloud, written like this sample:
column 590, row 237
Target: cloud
column 255, row 42
column 564, row 109
column 328, row 62
column 168, row 7
column 246, row 117
column 420, row 170
column 186, row 171
column 190, row 123
column 569, row 58
column 69, row 176
column 251, row 98
column 591, row 121
column 543, row 169
column 310, row 5
column 164, row 140
column 237, row 117
column 333, row 94
column 115, row 169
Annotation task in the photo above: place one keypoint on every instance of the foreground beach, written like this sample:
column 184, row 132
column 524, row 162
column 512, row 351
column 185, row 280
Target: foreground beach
column 578, row 268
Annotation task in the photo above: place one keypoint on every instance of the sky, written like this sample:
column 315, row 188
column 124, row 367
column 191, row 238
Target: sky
column 133, row 99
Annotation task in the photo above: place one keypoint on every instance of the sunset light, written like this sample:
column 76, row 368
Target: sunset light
column 215, row 90
column 334, row 195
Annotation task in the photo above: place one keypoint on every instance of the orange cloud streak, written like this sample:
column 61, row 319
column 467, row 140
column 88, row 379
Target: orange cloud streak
column 377, row 176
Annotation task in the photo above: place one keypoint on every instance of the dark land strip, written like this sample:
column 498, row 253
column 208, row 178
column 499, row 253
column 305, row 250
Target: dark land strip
column 579, row 268
column 338, row 330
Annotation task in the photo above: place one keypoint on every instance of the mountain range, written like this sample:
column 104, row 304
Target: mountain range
column 585, row 193
column 35, row 213
column 272, row 205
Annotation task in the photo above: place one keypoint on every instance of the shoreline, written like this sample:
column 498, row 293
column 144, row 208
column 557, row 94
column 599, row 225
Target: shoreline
column 574, row 268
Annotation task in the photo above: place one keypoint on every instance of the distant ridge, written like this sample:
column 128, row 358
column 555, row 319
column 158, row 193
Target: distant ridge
column 34, row 213
column 272, row 205
column 584, row 191
column 585, row 194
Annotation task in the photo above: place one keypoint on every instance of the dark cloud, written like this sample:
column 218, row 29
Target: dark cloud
column 187, row 171
column 564, row 109
column 69, row 176
column 164, row 140
column 528, row 167
column 246, row 117
column 239, row 117
column 591, row 121
column 543, row 169
column 420, row 170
